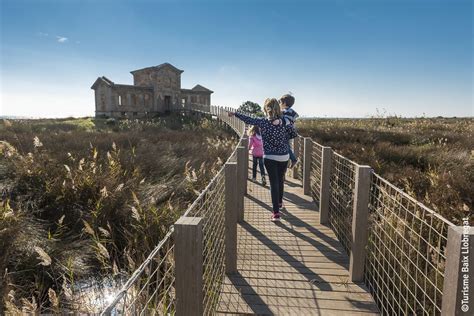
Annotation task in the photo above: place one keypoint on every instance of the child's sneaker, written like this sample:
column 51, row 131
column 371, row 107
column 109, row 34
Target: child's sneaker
column 264, row 182
column 282, row 207
column 276, row 217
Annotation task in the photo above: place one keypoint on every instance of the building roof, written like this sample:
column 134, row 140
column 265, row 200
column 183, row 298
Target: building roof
column 164, row 65
column 199, row 88
column 102, row 79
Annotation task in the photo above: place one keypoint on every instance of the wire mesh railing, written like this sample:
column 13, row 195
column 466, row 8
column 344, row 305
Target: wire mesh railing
column 210, row 206
column 151, row 288
column 316, row 158
column 341, row 199
column 406, row 260
column 405, row 263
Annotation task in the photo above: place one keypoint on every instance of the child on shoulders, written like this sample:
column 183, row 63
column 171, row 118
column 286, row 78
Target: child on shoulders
column 289, row 117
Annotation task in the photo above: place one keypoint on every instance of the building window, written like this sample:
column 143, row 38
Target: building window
column 134, row 99
column 120, row 100
column 183, row 102
column 193, row 99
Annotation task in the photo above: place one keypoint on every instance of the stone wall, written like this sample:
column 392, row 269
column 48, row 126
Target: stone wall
column 124, row 101
column 103, row 97
column 167, row 87
column 166, row 84
column 196, row 97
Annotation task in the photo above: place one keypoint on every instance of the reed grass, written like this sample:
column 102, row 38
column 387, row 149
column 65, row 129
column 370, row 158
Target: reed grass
column 89, row 198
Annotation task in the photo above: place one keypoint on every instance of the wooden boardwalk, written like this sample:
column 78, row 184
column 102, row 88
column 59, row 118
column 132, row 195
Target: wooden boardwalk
column 295, row 267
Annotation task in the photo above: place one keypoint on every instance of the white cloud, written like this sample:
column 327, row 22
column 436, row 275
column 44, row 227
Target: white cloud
column 62, row 39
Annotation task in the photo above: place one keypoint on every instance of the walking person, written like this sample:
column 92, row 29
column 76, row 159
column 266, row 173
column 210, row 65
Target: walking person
column 256, row 147
column 275, row 149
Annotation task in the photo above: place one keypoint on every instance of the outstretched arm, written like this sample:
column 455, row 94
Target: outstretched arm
column 248, row 120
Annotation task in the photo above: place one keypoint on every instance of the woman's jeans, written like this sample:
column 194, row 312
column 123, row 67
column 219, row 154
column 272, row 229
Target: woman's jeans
column 259, row 161
column 276, row 173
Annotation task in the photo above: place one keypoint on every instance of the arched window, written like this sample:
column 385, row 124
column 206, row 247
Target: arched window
column 120, row 100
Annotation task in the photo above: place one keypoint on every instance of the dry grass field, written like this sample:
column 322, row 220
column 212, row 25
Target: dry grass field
column 86, row 198
column 430, row 158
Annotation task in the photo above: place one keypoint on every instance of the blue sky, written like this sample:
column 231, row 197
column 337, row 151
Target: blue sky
column 339, row 58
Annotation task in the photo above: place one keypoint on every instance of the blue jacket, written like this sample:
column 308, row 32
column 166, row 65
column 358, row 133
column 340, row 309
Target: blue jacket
column 275, row 137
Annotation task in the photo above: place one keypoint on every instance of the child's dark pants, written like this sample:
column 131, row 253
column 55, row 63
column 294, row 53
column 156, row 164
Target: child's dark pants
column 259, row 161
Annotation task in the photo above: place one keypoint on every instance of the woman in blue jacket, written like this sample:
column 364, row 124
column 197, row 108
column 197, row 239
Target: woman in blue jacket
column 275, row 148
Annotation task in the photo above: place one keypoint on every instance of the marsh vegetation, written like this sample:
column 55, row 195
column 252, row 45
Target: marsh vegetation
column 86, row 200
column 432, row 159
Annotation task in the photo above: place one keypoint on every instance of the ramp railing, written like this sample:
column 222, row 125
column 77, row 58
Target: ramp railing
column 152, row 287
column 402, row 245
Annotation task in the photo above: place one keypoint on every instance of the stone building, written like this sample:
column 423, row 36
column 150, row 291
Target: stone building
column 155, row 90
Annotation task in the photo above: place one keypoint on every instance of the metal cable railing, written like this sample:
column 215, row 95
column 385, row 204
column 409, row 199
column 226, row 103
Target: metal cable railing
column 151, row 288
column 316, row 158
column 341, row 199
column 406, row 259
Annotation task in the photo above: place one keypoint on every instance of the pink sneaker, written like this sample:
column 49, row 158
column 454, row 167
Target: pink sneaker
column 276, row 217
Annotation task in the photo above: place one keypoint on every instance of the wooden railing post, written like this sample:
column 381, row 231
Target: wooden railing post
column 308, row 146
column 360, row 214
column 296, row 151
column 458, row 286
column 324, row 191
column 241, row 152
column 245, row 144
column 231, row 201
column 188, row 259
